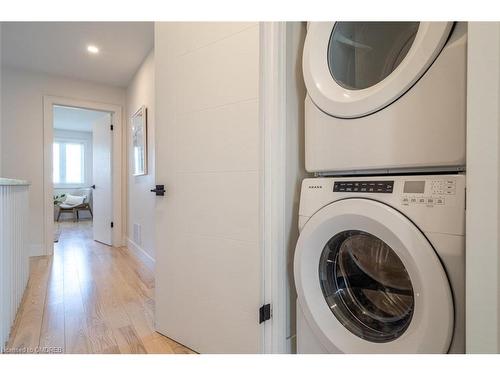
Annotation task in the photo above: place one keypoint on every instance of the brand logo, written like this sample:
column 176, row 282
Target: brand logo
column 315, row 187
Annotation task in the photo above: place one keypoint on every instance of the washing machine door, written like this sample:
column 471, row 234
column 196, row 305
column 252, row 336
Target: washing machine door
column 368, row 281
column 353, row 69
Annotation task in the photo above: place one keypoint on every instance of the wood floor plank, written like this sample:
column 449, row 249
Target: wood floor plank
column 133, row 342
column 52, row 331
column 89, row 298
column 26, row 334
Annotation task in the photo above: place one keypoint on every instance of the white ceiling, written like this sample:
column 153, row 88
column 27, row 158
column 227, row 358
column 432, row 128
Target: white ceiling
column 78, row 119
column 60, row 48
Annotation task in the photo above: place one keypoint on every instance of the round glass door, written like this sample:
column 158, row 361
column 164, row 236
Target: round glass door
column 366, row 286
column 361, row 54
column 354, row 69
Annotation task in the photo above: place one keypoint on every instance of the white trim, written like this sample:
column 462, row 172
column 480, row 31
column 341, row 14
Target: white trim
column 140, row 253
column 483, row 189
column 36, row 249
column 273, row 182
column 48, row 133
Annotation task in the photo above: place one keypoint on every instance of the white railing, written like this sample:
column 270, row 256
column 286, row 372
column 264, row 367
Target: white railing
column 14, row 257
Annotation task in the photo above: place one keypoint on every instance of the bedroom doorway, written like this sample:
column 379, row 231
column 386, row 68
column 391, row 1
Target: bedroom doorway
column 81, row 170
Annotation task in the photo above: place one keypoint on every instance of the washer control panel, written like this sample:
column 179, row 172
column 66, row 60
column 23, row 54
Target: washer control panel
column 363, row 186
column 429, row 192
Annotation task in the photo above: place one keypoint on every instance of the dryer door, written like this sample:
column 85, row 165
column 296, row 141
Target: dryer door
column 352, row 69
column 369, row 281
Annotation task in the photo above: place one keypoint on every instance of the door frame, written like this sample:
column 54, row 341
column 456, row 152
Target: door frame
column 116, row 167
column 273, row 113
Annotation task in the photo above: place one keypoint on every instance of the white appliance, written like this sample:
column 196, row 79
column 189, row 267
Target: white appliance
column 380, row 265
column 385, row 95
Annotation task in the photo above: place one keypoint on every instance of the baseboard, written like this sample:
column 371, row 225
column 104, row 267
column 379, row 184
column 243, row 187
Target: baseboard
column 36, row 250
column 140, row 253
column 291, row 344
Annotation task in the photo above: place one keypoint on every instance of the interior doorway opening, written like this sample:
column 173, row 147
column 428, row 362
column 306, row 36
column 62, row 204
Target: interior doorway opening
column 82, row 172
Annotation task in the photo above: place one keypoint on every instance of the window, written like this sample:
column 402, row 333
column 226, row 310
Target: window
column 69, row 163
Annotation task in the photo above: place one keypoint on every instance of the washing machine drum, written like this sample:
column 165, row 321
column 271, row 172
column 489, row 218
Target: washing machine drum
column 353, row 69
column 368, row 281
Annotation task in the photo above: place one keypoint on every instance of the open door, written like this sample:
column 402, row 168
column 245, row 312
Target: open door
column 102, row 184
column 208, row 258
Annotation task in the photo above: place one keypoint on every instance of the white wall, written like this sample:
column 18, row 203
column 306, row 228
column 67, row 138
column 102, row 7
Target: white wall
column 140, row 201
column 22, row 130
column 483, row 189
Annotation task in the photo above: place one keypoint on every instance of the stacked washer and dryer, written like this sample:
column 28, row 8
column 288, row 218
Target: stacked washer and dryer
column 380, row 261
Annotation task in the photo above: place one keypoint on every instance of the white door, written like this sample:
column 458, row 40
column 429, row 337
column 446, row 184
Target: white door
column 368, row 281
column 352, row 69
column 208, row 258
column 102, row 183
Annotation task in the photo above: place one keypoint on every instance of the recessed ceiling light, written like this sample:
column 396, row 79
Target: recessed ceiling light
column 92, row 49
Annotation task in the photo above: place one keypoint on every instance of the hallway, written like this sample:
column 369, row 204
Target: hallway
column 89, row 298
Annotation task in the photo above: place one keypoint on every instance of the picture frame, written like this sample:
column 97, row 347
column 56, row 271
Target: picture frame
column 139, row 142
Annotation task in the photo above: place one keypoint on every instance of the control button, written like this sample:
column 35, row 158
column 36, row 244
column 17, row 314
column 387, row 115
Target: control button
column 430, row 200
column 405, row 200
column 413, row 200
column 421, row 200
column 449, row 192
column 439, row 200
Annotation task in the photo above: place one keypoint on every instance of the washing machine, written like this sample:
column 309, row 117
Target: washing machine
column 385, row 96
column 380, row 265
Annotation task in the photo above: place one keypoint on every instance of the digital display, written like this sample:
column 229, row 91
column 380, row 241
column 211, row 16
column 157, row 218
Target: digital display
column 414, row 187
column 363, row 186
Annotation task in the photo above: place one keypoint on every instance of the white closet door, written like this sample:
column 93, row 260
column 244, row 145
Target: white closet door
column 208, row 257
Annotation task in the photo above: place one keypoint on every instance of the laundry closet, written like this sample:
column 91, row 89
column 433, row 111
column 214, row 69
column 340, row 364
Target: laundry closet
column 380, row 260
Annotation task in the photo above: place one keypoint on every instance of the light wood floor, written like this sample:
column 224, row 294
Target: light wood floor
column 88, row 298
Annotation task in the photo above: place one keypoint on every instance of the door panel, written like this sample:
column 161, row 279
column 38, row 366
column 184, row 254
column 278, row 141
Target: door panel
column 378, row 265
column 208, row 265
column 102, row 194
column 366, row 286
column 361, row 54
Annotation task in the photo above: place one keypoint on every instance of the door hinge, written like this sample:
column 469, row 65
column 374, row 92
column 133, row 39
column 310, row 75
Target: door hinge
column 111, row 127
column 112, row 224
column 264, row 313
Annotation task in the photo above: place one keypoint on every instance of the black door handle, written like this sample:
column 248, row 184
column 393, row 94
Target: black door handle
column 93, row 187
column 160, row 190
